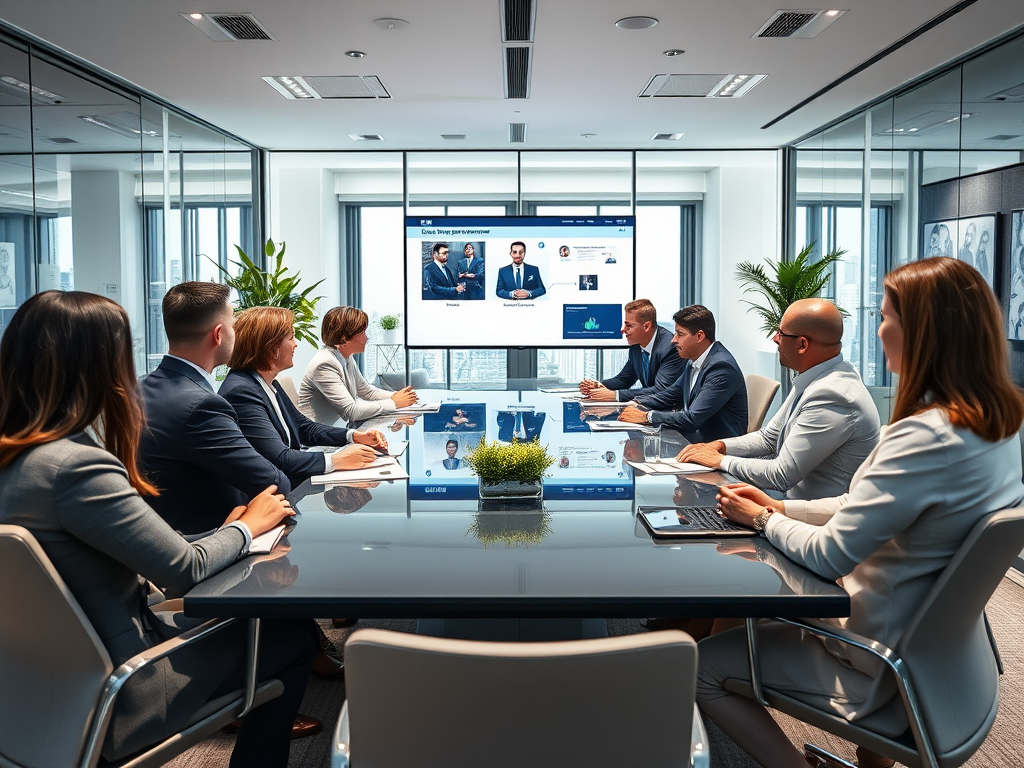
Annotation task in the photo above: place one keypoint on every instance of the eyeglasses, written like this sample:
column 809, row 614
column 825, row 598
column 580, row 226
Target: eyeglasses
column 792, row 335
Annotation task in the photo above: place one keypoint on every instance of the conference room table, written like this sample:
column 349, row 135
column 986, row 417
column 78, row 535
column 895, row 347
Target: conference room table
column 427, row 548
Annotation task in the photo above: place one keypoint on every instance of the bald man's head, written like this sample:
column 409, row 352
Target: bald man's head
column 811, row 333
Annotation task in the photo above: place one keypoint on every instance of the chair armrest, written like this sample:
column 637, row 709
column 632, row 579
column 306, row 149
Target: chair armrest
column 832, row 632
column 120, row 676
column 341, row 748
column 700, row 750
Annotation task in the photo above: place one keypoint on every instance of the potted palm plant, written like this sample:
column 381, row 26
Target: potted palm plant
column 257, row 287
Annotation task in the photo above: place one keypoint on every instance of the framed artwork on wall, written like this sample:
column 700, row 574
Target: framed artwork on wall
column 1015, row 305
column 970, row 239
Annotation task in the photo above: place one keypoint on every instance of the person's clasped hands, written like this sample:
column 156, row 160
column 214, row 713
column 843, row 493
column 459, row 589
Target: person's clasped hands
column 265, row 512
column 365, row 448
column 741, row 503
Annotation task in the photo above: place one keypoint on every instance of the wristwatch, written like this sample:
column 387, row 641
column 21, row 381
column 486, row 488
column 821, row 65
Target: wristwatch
column 762, row 519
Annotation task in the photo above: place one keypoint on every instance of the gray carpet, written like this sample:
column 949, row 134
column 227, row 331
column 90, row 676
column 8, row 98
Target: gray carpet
column 1003, row 747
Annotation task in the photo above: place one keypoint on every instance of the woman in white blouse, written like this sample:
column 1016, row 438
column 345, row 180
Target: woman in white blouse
column 956, row 415
column 333, row 385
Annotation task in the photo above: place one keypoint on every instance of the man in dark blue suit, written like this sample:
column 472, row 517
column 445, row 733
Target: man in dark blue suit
column 518, row 281
column 653, row 360
column 438, row 280
column 192, row 448
column 525, row 425
column 709, row 400
column 471, row 269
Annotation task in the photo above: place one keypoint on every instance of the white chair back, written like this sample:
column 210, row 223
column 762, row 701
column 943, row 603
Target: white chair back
column 760, row 393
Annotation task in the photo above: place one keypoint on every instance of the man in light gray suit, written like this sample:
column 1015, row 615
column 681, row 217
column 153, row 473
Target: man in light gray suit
column 825, row 429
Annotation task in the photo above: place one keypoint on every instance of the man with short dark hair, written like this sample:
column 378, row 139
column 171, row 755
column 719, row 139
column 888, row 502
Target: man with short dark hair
column 438, row 279
column 652, row 360
column 709, row 400
column 519, row 281
column 451, row 448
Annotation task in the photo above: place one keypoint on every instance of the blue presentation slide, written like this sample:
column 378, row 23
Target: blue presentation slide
column 591, row 321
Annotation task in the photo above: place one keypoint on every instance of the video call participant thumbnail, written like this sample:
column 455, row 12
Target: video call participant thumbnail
column 438, row 280
column 518, row 280
column 471, row 270
column 652, row 360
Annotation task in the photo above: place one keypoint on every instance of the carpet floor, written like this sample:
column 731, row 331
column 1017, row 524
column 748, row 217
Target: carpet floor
column 1004, row 746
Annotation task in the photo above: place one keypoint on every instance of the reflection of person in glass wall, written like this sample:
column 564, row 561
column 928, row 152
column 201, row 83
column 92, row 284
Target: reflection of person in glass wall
column 471, row 269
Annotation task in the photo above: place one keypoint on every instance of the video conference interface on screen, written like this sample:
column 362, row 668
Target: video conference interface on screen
column 587, row 464
column 541, row 281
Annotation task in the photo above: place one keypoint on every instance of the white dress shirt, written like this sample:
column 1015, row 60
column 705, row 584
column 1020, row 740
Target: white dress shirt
column 623, row 395
column 696, row 365
column 817, row 440
column 210, row 379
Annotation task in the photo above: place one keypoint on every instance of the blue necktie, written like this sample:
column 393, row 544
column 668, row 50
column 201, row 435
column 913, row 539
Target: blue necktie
column 519, row 431
column 519, row 280
column 645, row 362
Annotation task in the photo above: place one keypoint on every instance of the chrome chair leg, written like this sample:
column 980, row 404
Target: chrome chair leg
column 825, row 758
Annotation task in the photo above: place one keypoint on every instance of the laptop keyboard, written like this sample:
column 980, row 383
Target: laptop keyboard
column 709, row 519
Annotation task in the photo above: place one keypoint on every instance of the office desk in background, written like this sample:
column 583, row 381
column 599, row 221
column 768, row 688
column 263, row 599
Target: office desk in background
column 397, row 551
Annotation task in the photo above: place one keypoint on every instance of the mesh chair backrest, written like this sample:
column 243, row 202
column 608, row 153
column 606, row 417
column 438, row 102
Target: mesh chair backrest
column 946, row 647
column 52, row 663
column 429, row 702
column 288, row 387
column 760, row 393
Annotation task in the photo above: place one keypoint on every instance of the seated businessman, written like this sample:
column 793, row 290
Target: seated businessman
column 709, row 399
column 519, row 281
column 653, row 361
column 438, row 279
column 825, row 429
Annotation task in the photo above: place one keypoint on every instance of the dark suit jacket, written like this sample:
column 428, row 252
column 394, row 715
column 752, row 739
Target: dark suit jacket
column 531, row 281
column 714, row 410
column 665, row 367
column 532, row 424
column 194, row 452
column 258, row 421
column 475, row 285
column 436, row 287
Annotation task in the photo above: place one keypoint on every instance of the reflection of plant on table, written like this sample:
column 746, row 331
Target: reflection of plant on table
column 516, row 529
column 792, row 280
column 259, row 288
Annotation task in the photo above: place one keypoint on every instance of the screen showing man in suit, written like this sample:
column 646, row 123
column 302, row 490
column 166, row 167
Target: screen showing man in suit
column 439, row 282
column 471, row 271
column 519, row 281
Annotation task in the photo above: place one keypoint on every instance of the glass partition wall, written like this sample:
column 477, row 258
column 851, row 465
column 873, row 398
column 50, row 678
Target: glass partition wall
column 84, row 195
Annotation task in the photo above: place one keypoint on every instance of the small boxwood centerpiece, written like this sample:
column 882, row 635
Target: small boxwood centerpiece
column 510, row 470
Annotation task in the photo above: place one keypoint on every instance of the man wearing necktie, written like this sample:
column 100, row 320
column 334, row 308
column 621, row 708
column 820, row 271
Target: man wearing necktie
column 519, row 281
column 652, row 361
column 438, row 280
column 823, row 432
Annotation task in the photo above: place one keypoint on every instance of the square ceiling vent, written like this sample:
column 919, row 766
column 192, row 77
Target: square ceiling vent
column 700, row 86
column 328, row 86
column 798, row 23
column 228, row 26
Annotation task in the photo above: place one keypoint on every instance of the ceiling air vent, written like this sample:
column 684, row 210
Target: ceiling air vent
column 517, row 72
column 453, row 136
column 1002, row 137
column 60, row 140
column 224, row 26
column 797, row 23
column 366, row 137
column 518, row 18
column 700, row 86
column 1016, row 93
column 667, row 137
column 328, row 86
column 517, row 133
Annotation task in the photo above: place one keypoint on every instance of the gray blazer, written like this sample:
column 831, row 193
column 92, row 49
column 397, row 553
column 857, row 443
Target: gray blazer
column 104, row 540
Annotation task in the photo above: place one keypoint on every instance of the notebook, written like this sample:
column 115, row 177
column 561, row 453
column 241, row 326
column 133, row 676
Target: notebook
column 689, row 522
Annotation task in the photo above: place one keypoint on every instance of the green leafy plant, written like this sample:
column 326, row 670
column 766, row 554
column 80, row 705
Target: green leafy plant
column 390, row 322
column 791, row 280
column 496, row 461
column 276, row 288
column 513, row 530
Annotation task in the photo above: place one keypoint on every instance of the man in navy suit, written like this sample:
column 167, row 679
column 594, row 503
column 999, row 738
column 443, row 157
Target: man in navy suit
column 452, row 462
column 653, row 360
column 524, row 425
column 518, row 281
column 709, row 399
column 438, row 280
column 192, row 448
column 471, row 269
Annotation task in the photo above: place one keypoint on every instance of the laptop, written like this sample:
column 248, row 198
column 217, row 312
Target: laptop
column 689, row 522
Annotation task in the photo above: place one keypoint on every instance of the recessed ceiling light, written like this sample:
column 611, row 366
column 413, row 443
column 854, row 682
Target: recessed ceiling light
column 391, row 25
column 636, row 22
column 588, row 135
column 667, row 137
column 832, row 13
column 290, row 87
column 355, row 54
column 674, row 52
column 196, row 16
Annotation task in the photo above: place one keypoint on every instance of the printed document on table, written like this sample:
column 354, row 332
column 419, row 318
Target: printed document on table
column 397, row 448
column 410, row 410
column 621, row 426
column 265, row 543
column 384, row 468
column 667, row 467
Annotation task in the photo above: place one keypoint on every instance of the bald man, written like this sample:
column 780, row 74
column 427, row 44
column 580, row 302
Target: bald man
column 825, row 429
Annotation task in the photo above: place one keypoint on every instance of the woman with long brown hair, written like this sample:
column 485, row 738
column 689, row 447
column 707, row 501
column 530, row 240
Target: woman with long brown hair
column 70, row 424
column 949, row 457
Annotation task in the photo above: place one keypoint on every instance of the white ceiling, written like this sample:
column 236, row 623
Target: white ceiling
column 445, row 74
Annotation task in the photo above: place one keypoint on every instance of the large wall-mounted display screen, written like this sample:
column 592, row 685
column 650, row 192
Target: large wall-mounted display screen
column 541, row 281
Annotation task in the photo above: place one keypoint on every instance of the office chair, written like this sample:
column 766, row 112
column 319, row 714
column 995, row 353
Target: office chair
column 57, row 681
column 760, row 393
column 945, row 666
column 288, row 385
column 604, row 703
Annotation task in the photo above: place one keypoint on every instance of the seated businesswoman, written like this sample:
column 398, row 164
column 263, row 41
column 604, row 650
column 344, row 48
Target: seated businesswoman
column 264, row 346
column 889, row 538
column 333, row 385
column 70, row 425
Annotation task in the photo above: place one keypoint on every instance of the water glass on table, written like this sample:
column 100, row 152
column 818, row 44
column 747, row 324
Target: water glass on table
column 652, row 445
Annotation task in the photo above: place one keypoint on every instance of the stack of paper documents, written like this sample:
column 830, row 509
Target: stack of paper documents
column 559, row 390
column 411, row 410
column 668, row 467
column 620, row 426
column 382, row 468
column 266, row 542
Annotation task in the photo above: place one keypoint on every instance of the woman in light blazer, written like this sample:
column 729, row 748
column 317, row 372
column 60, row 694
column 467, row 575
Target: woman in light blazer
column 70, row 425
column 956, row 416
column 333, row 385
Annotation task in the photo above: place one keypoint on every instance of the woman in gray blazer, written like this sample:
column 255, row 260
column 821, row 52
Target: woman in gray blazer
column 333, row 386
column 956, row 414
column 70, row 425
